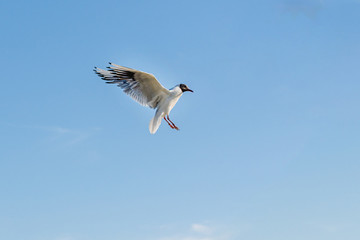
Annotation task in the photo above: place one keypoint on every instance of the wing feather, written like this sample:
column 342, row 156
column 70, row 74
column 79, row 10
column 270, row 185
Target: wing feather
column 142, row 87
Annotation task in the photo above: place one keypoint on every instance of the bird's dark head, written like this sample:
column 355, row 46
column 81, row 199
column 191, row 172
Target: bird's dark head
column 185, row 88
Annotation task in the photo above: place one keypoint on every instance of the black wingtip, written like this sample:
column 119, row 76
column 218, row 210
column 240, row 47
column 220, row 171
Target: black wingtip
column 110, row 63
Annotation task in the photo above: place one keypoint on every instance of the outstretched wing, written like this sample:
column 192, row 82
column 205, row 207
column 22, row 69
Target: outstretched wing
column 142, row 87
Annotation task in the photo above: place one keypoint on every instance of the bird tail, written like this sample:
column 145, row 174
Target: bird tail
column 155, row 123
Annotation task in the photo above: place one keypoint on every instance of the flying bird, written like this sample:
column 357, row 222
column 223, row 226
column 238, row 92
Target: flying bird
column 146, row 90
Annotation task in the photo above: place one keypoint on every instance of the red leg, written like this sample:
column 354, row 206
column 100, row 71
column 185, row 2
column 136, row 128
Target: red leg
column 172, row 123
column 169, row 123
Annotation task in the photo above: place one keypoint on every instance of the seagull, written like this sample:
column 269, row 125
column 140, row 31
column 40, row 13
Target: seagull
column 146, row 90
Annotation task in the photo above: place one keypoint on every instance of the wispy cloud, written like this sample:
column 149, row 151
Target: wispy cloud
column 59, row 134
column 59, row 130
column 64, row 136
column 68, row 136
column 309, row 8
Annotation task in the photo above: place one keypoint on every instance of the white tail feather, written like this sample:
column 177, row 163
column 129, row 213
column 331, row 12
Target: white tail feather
column 155, row 123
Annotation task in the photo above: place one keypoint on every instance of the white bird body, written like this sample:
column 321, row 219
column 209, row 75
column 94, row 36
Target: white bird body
column 171, row 100
column 165, row 108
column 146, row 90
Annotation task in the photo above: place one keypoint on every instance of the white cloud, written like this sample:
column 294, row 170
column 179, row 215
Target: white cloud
column 198, row 238
column 187, row 238
column 199, row 228
column 65, row 238
column 202, row 232
column 328, row 227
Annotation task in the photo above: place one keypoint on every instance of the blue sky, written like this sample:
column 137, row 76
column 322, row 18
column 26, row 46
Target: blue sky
column 268, row 147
